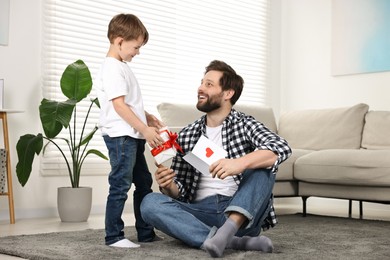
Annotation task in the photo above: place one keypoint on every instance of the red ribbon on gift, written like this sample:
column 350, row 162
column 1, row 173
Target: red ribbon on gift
column 171, row 142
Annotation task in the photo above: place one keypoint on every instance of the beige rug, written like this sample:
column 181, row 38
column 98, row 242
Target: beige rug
column 295, row 237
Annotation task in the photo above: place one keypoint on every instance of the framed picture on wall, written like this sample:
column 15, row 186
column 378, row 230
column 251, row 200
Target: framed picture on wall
column 360, row 36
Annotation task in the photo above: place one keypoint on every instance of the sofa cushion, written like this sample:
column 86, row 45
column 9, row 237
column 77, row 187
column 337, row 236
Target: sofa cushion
column 180, row 115
column 317, row 129
column 285, row 189
column 346, row 167
column 286, row 169
column 263, row 114
column 376, row 130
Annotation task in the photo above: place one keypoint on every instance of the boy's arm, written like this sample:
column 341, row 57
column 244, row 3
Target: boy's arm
column 151, row 134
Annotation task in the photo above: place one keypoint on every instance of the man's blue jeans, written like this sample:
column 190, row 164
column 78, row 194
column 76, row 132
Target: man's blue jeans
column 128, row 165
column 194, row 222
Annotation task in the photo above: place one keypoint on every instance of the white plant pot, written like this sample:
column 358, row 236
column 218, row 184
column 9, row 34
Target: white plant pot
column 74, row 204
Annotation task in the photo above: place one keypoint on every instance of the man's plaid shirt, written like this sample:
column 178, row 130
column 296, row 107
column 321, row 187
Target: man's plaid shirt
column 241, row 134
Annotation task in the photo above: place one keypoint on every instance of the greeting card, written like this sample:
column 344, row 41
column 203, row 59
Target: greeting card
column 204, row 153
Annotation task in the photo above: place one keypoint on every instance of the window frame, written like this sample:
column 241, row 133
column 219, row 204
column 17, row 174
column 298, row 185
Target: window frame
column 174, row 59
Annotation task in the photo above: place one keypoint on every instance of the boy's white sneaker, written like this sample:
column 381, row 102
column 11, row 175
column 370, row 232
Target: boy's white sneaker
column 125, row 243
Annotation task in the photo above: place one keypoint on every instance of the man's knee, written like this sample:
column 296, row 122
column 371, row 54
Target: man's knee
column 147, row 201
column 150, row 204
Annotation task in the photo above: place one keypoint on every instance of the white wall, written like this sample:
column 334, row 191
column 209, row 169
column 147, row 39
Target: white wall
column 20, row 66
column 305, row 75
column 306, row 80
column 301, row 79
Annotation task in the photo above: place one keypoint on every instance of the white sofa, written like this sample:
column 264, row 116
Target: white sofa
column 341, row 153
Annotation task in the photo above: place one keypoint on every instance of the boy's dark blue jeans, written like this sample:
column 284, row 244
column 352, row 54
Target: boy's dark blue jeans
column 128, row 165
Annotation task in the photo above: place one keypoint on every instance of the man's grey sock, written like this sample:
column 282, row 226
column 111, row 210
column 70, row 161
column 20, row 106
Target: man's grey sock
column 259, row 243
column 216, row 244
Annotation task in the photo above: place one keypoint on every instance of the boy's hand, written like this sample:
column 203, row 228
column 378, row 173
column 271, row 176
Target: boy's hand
column 152, row 136
column 153, row 121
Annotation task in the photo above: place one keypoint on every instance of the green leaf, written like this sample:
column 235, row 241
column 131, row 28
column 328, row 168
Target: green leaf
column 88, row 138
column 96, row 152
column 76, row 84
column 76, row 81
column 27, row 146
column 96, row 101
column 55, row 115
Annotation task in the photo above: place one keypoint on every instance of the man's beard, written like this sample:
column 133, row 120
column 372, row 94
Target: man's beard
column 210, row 105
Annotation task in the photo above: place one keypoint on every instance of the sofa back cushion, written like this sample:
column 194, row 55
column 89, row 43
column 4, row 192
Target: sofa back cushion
column 180, row 115
column 317, row 129
column 376, row 131
column 262, row 114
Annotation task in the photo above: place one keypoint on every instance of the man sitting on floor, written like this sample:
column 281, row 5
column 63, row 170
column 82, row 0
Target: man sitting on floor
column 227, row 207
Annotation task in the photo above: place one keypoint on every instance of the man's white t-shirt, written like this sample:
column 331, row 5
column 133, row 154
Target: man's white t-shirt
column 113, row 80
column 209, row 186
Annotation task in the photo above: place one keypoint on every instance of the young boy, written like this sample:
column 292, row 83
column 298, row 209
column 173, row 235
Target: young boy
column 125, row 125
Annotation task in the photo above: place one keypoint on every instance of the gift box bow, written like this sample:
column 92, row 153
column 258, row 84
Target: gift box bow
column 170, row 143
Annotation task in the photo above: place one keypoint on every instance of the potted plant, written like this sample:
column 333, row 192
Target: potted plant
column 76, row 84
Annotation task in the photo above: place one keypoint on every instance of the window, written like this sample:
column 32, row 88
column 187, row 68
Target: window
column 185, row 35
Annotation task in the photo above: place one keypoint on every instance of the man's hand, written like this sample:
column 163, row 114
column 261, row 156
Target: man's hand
column 164, row 177
column 254, row 160
column 225, row 167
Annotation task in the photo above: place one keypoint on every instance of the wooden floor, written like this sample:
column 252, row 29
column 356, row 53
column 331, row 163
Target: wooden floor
column 282, row 206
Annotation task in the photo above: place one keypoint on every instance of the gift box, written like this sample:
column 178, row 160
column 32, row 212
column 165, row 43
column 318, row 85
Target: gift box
column 168, row 149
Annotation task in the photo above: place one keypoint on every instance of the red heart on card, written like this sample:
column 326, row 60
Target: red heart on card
column 209, row 152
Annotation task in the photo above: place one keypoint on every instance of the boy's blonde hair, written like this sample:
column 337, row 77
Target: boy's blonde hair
column 127, row 26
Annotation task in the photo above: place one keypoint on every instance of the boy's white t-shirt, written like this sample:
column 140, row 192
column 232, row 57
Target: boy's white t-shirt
column 208, row 185
column 116, row 79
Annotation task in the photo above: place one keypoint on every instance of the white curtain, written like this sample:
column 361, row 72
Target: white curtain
column 185, row 35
